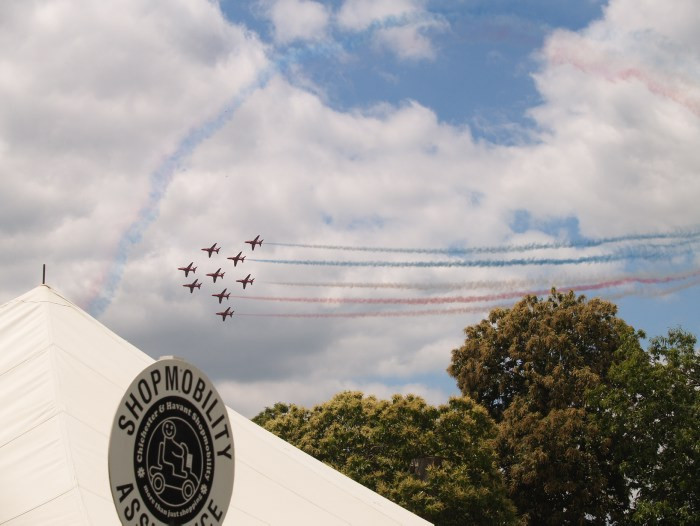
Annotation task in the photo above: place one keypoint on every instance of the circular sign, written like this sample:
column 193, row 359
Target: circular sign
column 171, row 449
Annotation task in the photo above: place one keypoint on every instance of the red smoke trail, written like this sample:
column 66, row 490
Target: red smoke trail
column 504, row 285
column 440, row 312
column 377, row 314
column 587, row 60
column 654, row 292
column 481, row 298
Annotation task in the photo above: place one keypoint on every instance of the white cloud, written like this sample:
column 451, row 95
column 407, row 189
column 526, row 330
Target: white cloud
column 618, row 123
column 249, row 398
column 298, row 20
column 400, row 26
column 94, row 99
column 358, row 15
column 408, row 42
column 97, row 96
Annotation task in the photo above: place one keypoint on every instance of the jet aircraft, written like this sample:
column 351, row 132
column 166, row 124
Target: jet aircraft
column 255, row 241
column 221, row 295
column 237, row 258
column 189, row 268
column 227, row 312
column 216, row 274
column 246, row 281
column 193, row 285
column 211, row 249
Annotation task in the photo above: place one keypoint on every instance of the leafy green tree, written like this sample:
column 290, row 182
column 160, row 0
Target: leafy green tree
column 438, row 462
column 653, row 409
column 533, row 366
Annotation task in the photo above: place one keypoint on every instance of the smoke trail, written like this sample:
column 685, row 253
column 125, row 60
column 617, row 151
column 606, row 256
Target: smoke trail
column 681, row 235
column 480, row 298
column 509, row 284
column 161, row 178
column 458, row 310
column 159, row 181
column 583, row 58
column 397, row 301
column 375, row 314
column 466, row 285
column 645, row 254
column 666, row 290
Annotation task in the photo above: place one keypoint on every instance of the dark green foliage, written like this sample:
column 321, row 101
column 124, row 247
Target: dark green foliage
column 532, row 367
column 546, row 352
column 653, row 410
column 564, row 414
column 438, row 462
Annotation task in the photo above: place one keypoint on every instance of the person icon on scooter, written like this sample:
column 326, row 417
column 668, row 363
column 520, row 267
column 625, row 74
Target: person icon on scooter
column 174, row 453
column 174, row 466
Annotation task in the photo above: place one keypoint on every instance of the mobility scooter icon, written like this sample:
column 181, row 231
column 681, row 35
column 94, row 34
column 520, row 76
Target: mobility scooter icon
column 173, row 469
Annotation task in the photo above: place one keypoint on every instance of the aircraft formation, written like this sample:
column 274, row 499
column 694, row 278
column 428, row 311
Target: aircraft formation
column 223, row 295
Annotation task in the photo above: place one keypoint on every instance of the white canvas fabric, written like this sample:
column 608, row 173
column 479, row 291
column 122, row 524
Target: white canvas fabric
column 62, row 374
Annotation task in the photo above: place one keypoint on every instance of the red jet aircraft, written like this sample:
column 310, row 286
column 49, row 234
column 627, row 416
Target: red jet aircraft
column 211, row 249
column 255, row 241
column 227, row 312
column 246, row 281
column 193, row 285
column 217, row 274
column 189, row 268
column 221, row 295
column 237, row 258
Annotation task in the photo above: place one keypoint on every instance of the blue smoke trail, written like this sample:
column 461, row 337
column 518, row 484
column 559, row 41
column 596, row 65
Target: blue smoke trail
column 604, row 258
column 160, row 179
column 682, row 237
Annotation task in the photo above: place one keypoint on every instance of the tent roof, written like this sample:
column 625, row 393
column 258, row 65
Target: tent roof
column 62, row 375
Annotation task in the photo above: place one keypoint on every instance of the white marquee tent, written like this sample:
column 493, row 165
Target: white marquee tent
column 62, row 374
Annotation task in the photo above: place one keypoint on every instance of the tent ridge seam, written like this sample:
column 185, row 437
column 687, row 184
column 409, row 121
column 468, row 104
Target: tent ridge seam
column 295, row 493
column 101, row 375
column 54, row 415
column 71, row 464
column 319, row 470
column 29, row 358
column 85, row 488
column 57, row 413
column 86, row 424
column 39, row 505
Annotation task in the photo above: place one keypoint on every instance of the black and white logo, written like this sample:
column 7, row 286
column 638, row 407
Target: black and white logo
column 171, row 449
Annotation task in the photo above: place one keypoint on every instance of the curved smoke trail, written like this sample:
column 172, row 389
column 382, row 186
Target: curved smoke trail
column 161, row 178
column 159, row 181
column 586, row 59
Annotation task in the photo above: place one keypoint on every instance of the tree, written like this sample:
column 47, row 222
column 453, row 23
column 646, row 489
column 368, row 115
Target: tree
column 653, row 407
column 533, row 366
column 438, row 462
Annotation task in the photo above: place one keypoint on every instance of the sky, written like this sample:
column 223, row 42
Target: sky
column 409, row 164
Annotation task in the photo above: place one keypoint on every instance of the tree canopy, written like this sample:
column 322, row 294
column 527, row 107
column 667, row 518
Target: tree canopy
column 532, row 366
column 652, row 408
column 438, row 462
column 564, row 419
